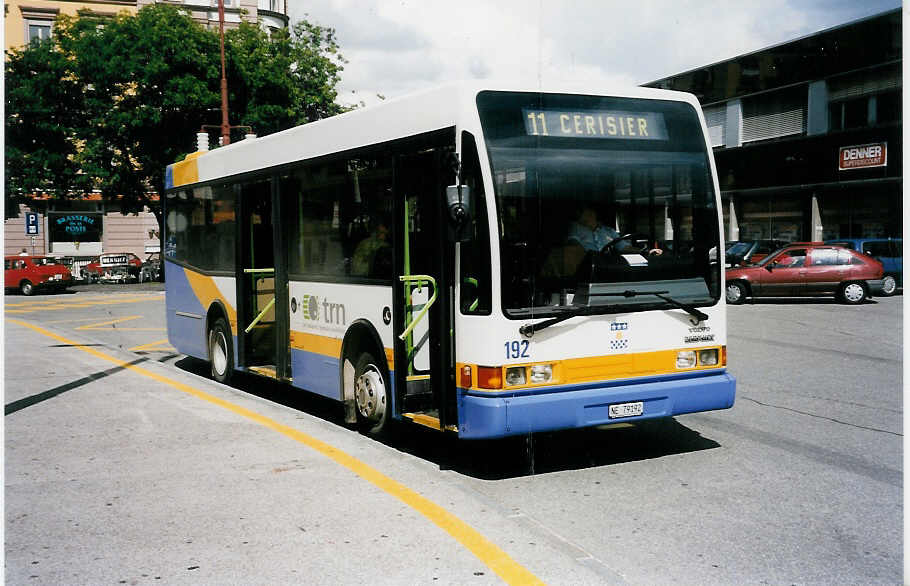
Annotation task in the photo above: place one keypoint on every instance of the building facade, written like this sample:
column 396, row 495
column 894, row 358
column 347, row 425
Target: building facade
column 87, row 227
column 807, row 134
column 26, row 20
column 272, row 14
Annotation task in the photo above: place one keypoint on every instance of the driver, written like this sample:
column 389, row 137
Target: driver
column 591, row 235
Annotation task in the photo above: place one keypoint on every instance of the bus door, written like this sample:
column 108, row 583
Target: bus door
column 424, row 359
column 261, row 284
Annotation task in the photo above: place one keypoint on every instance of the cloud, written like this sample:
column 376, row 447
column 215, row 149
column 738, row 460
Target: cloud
column 398, row 46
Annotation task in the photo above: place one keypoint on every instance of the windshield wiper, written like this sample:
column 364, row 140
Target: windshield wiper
column 528, row 330
column 700, row 315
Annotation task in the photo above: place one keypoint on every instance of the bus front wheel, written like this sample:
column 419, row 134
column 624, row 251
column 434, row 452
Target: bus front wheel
column 371, row 395
column 221, row 351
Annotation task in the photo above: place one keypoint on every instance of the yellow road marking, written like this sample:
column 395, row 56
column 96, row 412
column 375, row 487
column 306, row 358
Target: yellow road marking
column 486, row 551
column 64, row 305
column 109, row 322
column 158, row 345
column 70, row 321
column 101, row 325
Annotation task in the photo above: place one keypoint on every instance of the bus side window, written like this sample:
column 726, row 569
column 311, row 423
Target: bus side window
column 476, row 296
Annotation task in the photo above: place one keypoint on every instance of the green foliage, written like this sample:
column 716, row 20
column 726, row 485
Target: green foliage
column 44, row 106
column 108, row 103
column 282, row 80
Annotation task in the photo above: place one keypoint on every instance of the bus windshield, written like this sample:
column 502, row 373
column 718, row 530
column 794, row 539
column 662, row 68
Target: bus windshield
column 600, row 201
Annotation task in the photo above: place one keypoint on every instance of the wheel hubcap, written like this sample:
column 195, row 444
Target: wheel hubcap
column 369, row 393
column 854, row 292
column 219, row 352
column 733, row 293
column 889, row 285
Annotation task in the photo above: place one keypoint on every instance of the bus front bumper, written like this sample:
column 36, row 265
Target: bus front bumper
column 485, row 415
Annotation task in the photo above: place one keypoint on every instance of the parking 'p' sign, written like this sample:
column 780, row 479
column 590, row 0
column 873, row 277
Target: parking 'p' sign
column 31, row 223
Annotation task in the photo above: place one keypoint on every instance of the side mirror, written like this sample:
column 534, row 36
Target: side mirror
column 769, row 267
column 458, row 203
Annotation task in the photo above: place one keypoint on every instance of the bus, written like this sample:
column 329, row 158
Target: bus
column 432, row 259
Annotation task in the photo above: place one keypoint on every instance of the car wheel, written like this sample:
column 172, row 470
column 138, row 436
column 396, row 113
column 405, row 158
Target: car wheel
column 26, row 287
column 889, row 286
column 736, row 293
column 853, row 292
column 371, row 395
column 221, row 351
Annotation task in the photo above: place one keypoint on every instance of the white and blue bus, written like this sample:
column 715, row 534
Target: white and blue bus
column 486, row 261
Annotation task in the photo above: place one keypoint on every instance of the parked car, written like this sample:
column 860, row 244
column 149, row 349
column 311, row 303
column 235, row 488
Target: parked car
column 151, row 268
column 743, row 252
column 113, row 267
column 34, row 273
column 808, row 269
column 888, row 251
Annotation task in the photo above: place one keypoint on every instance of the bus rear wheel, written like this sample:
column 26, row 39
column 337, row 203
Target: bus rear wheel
column 221, row 351
column 371, row 395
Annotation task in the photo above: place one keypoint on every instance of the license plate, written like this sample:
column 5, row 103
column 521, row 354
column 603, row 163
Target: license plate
column 626, row 409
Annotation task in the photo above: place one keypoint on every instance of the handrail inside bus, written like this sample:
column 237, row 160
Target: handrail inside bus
column 268, row 306
column 419, row 280
column 261, row 315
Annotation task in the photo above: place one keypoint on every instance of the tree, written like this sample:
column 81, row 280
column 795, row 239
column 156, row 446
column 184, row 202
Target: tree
column 108, row 103
column 44, row 106
column 283, row 79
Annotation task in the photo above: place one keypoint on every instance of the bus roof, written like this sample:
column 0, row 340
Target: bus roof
column 431, row 109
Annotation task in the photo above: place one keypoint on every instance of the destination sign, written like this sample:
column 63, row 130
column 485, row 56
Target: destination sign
column 595, row 124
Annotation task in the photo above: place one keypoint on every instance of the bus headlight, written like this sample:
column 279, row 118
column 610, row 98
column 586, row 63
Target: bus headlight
column 515, row 375
column 541, row 373
column 685, row 359
column 707, row 357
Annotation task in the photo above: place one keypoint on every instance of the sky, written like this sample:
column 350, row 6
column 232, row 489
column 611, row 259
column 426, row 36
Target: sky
column 393, row 47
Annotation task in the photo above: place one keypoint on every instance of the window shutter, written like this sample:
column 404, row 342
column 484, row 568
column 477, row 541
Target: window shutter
column 716, row 119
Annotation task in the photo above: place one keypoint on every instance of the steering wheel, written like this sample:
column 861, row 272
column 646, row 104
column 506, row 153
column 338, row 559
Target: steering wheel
column 630, row 236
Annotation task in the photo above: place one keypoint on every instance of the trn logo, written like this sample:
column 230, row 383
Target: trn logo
column 332, row 313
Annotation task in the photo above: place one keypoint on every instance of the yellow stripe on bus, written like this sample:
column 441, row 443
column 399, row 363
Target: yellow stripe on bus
column 486, row 551
column 327, row 346
column 187, row 170
column 603, row 368
column 207, row 292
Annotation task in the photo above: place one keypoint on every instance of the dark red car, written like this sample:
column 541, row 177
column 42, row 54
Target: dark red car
column 33, row 273
column 113, row 267
column 808, row 269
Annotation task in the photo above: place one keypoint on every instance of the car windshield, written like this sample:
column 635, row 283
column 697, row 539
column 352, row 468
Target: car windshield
column 583, row 211
column 739, row 248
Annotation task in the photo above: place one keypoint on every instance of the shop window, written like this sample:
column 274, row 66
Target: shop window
column 888, row 107
column 848, row 114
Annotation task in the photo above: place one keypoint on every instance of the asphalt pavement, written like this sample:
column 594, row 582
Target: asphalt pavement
column 126, row 464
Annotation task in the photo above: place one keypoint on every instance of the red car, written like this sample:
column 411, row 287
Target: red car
column 113, row 267
column 32, row 273
column 808, row 269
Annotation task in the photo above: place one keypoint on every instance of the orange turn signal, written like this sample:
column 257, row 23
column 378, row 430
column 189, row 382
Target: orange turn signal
column 489, row 377
column 723, row 355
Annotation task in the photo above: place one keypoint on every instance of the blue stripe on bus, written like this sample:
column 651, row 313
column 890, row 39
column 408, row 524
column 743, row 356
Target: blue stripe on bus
column 186, row 334
column 321, row 374
column 316, row 373
column 483, row 415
